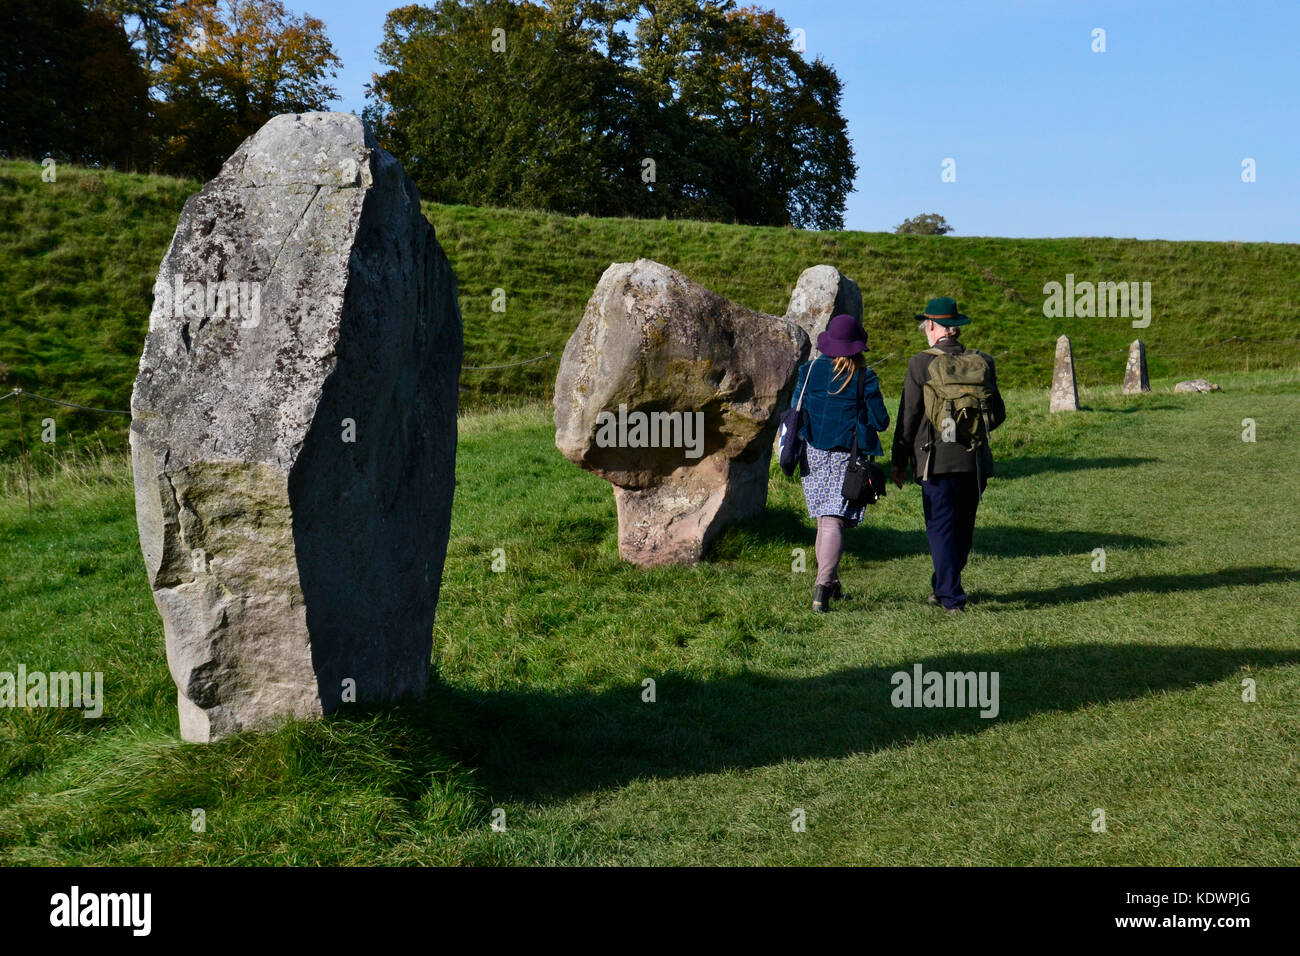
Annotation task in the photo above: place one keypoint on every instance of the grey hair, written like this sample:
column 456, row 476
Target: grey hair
column 951, row 332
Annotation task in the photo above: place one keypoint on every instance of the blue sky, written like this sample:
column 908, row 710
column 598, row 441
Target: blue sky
column 1145, row 140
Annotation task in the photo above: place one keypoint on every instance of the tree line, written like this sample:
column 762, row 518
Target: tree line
column 695, row 109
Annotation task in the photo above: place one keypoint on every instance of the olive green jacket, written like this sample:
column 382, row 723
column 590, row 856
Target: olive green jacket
column 914, row 437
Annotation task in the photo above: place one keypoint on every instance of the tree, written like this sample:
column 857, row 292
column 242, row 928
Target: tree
column 70, row 85
column 930, row 224
column 231, row 66
column 489, row 103
column 684, row 108
column 737, row 70
column 152, row 29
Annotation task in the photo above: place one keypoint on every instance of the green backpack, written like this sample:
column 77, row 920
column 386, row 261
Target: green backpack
column 957, row 391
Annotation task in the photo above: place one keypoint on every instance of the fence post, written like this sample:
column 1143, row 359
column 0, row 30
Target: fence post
column 22, row 439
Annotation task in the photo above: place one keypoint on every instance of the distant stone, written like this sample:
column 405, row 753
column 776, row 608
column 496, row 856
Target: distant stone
column 1135, row 373
column 1065, row 388
column 670, row 392
column 293, row 431
column 1197, row 385
column 821, row 293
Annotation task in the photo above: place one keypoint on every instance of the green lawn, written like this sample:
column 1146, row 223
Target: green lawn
column 1119, row 691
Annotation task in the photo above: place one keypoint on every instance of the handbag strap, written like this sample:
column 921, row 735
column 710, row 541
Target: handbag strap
column 857, row 411
column 799, row 404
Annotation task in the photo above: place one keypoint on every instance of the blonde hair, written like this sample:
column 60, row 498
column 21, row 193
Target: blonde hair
column 846, row 366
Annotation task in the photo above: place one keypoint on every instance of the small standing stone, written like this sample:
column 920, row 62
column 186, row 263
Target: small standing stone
column 1135, row 374
column 1197, row 385
column 1065, row 389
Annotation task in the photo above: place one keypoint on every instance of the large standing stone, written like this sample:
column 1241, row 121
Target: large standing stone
column 1065, row 389
column 651, row 343
column 821, row 293
column 1136, row 380
column 294, row 462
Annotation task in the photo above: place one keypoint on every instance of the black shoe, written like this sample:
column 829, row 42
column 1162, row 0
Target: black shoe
column 821, row 598
column 837, row 592
column 932, row 600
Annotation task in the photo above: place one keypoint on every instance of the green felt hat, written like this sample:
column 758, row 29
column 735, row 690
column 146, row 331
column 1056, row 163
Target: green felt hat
column 944, row 312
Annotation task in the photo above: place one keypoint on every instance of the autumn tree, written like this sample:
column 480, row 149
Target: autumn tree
column 231, row 65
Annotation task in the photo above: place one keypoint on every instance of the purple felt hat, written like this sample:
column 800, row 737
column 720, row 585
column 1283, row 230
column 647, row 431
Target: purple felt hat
column 844, row 336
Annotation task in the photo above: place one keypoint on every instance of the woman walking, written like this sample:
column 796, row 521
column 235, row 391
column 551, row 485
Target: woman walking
column 829, row 388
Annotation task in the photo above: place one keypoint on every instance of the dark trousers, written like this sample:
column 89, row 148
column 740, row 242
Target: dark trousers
column 950, row 503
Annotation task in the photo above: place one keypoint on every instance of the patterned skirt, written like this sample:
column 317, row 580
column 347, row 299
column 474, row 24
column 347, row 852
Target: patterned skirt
column 824, row 484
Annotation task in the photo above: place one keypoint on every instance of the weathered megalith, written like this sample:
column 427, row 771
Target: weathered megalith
column 821, row 293
column 293, row 431
column 670, row 392
column 1065, row 389
column 1136, row 380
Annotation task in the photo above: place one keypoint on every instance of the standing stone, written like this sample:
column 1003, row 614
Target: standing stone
column 1065, row 389
column 294, row 456
column 1135, row 373
column 821, row 293
column 656, row 348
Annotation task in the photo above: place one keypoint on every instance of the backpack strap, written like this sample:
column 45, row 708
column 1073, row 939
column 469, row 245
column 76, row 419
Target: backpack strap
column 928, row 447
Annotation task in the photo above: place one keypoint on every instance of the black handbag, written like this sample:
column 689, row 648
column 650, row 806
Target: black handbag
column 864, row 480
column 792, row 455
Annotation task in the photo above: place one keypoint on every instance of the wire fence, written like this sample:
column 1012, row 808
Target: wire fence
column 491, row 368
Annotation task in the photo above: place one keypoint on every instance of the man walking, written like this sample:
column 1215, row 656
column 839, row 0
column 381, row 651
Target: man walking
column 950, row 404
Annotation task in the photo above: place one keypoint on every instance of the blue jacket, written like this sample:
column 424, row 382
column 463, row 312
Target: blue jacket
column 830, row 416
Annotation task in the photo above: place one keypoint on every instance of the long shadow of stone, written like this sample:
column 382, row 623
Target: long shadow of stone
column 868, row 542
column 1013, row 468
column 534, row 745
column 1105, row 586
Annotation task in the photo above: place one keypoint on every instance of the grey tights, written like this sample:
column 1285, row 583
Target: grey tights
column 830, row 544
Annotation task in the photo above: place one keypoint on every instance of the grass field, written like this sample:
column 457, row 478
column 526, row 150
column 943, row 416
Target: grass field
column 78, row 259
column 1120, row 690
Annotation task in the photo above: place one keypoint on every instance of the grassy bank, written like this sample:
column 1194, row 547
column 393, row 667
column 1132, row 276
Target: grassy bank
column 78, row 259
column 1120, row 690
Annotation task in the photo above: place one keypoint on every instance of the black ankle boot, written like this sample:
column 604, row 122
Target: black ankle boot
column 837, row 592
column 821, row 598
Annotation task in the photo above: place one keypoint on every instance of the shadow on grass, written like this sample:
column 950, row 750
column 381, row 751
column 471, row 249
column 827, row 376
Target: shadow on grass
column 1013, row 468
column 1105, row 587
column 1146, row 405
column 868, row 542
column 534, row 745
